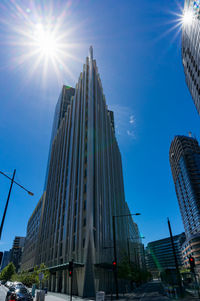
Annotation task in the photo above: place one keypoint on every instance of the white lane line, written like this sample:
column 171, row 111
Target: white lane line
column 142, row 296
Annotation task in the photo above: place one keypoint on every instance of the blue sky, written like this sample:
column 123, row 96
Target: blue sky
column 139, row 59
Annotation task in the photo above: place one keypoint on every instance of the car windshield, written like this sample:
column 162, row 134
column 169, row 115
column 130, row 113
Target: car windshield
column 12, row 288
column 22, row 290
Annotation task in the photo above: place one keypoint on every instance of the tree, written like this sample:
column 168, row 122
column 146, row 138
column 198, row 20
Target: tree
column 29, row 278
column 8, row 272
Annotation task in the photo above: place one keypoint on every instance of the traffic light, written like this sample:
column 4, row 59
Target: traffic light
column 192, row 263
column 71, row 268
column 114, row 265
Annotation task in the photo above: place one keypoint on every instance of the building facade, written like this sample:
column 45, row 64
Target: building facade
column 5, row 260
column 135, row 246
column 185, row 165
column 16, row 251
column 31, row 240
column 191, row 50
column 159, row 254
column 64, row 101
column 84, row 189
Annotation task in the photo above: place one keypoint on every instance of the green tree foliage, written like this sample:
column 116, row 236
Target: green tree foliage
column 8, row 272
column 29, row 278
column 130, row 271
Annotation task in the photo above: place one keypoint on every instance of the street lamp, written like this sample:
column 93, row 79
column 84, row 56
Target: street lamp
column 114, row 245
column 5, row 210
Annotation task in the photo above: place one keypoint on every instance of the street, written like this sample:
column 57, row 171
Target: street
column 152, row 291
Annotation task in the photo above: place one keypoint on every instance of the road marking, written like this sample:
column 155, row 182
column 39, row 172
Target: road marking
column 142, row 296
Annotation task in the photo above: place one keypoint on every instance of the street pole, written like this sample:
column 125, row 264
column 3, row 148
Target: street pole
column 115, row 257
column 128, row 248
column 196, row 283
column 175, row 259
column 71, row 289
column 71, row 281
column 5, row 210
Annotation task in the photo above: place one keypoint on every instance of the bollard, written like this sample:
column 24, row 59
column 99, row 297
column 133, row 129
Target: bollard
column 40, row 296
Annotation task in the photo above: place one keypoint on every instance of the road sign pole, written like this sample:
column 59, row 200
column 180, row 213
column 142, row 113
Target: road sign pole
column 71, row 287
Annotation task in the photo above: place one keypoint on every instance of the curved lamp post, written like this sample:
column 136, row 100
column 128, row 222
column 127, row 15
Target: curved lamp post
column 5, row 210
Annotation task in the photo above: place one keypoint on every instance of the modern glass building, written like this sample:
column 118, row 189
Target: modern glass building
column 191, row 49
column 159, row 254
column 185, row 165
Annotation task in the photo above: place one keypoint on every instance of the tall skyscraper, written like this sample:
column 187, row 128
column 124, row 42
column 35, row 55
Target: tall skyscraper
column 84, row 189
column 191, row 48
column 185, row 165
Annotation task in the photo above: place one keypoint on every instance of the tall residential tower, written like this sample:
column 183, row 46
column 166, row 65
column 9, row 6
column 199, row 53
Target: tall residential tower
column 185, row 165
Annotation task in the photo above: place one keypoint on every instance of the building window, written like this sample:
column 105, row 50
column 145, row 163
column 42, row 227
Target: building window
column 84, row 222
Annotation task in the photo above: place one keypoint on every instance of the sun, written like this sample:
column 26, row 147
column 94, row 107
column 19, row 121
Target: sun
column 45, row 41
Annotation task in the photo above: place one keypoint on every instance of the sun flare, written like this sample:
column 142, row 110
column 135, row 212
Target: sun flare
column 45, row 41
column 187, row 17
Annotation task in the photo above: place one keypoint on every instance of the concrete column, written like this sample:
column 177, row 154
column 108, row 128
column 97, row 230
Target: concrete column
column 53, row 283
column 57, row 280
column 64, row 281
column 49, row 282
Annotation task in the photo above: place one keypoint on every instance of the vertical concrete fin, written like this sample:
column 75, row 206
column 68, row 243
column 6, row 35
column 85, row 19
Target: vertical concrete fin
column 89, row 287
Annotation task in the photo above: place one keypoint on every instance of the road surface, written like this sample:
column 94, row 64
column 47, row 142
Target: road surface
column 152, row 291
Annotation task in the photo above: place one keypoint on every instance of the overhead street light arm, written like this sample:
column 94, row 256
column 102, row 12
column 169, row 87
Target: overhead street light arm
column 127, row 214
column 29, row 192
column 132, row 237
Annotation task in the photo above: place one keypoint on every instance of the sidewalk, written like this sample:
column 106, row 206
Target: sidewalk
column 60, row 297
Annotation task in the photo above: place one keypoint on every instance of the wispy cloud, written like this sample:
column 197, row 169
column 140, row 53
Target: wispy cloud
column 131, row 134
column 131, row 120
column 125, row 123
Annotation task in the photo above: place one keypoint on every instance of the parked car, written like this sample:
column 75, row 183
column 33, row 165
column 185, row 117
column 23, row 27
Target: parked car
column 8, row 284
column 21, row 293
column 3, row 282
column 16, row 283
